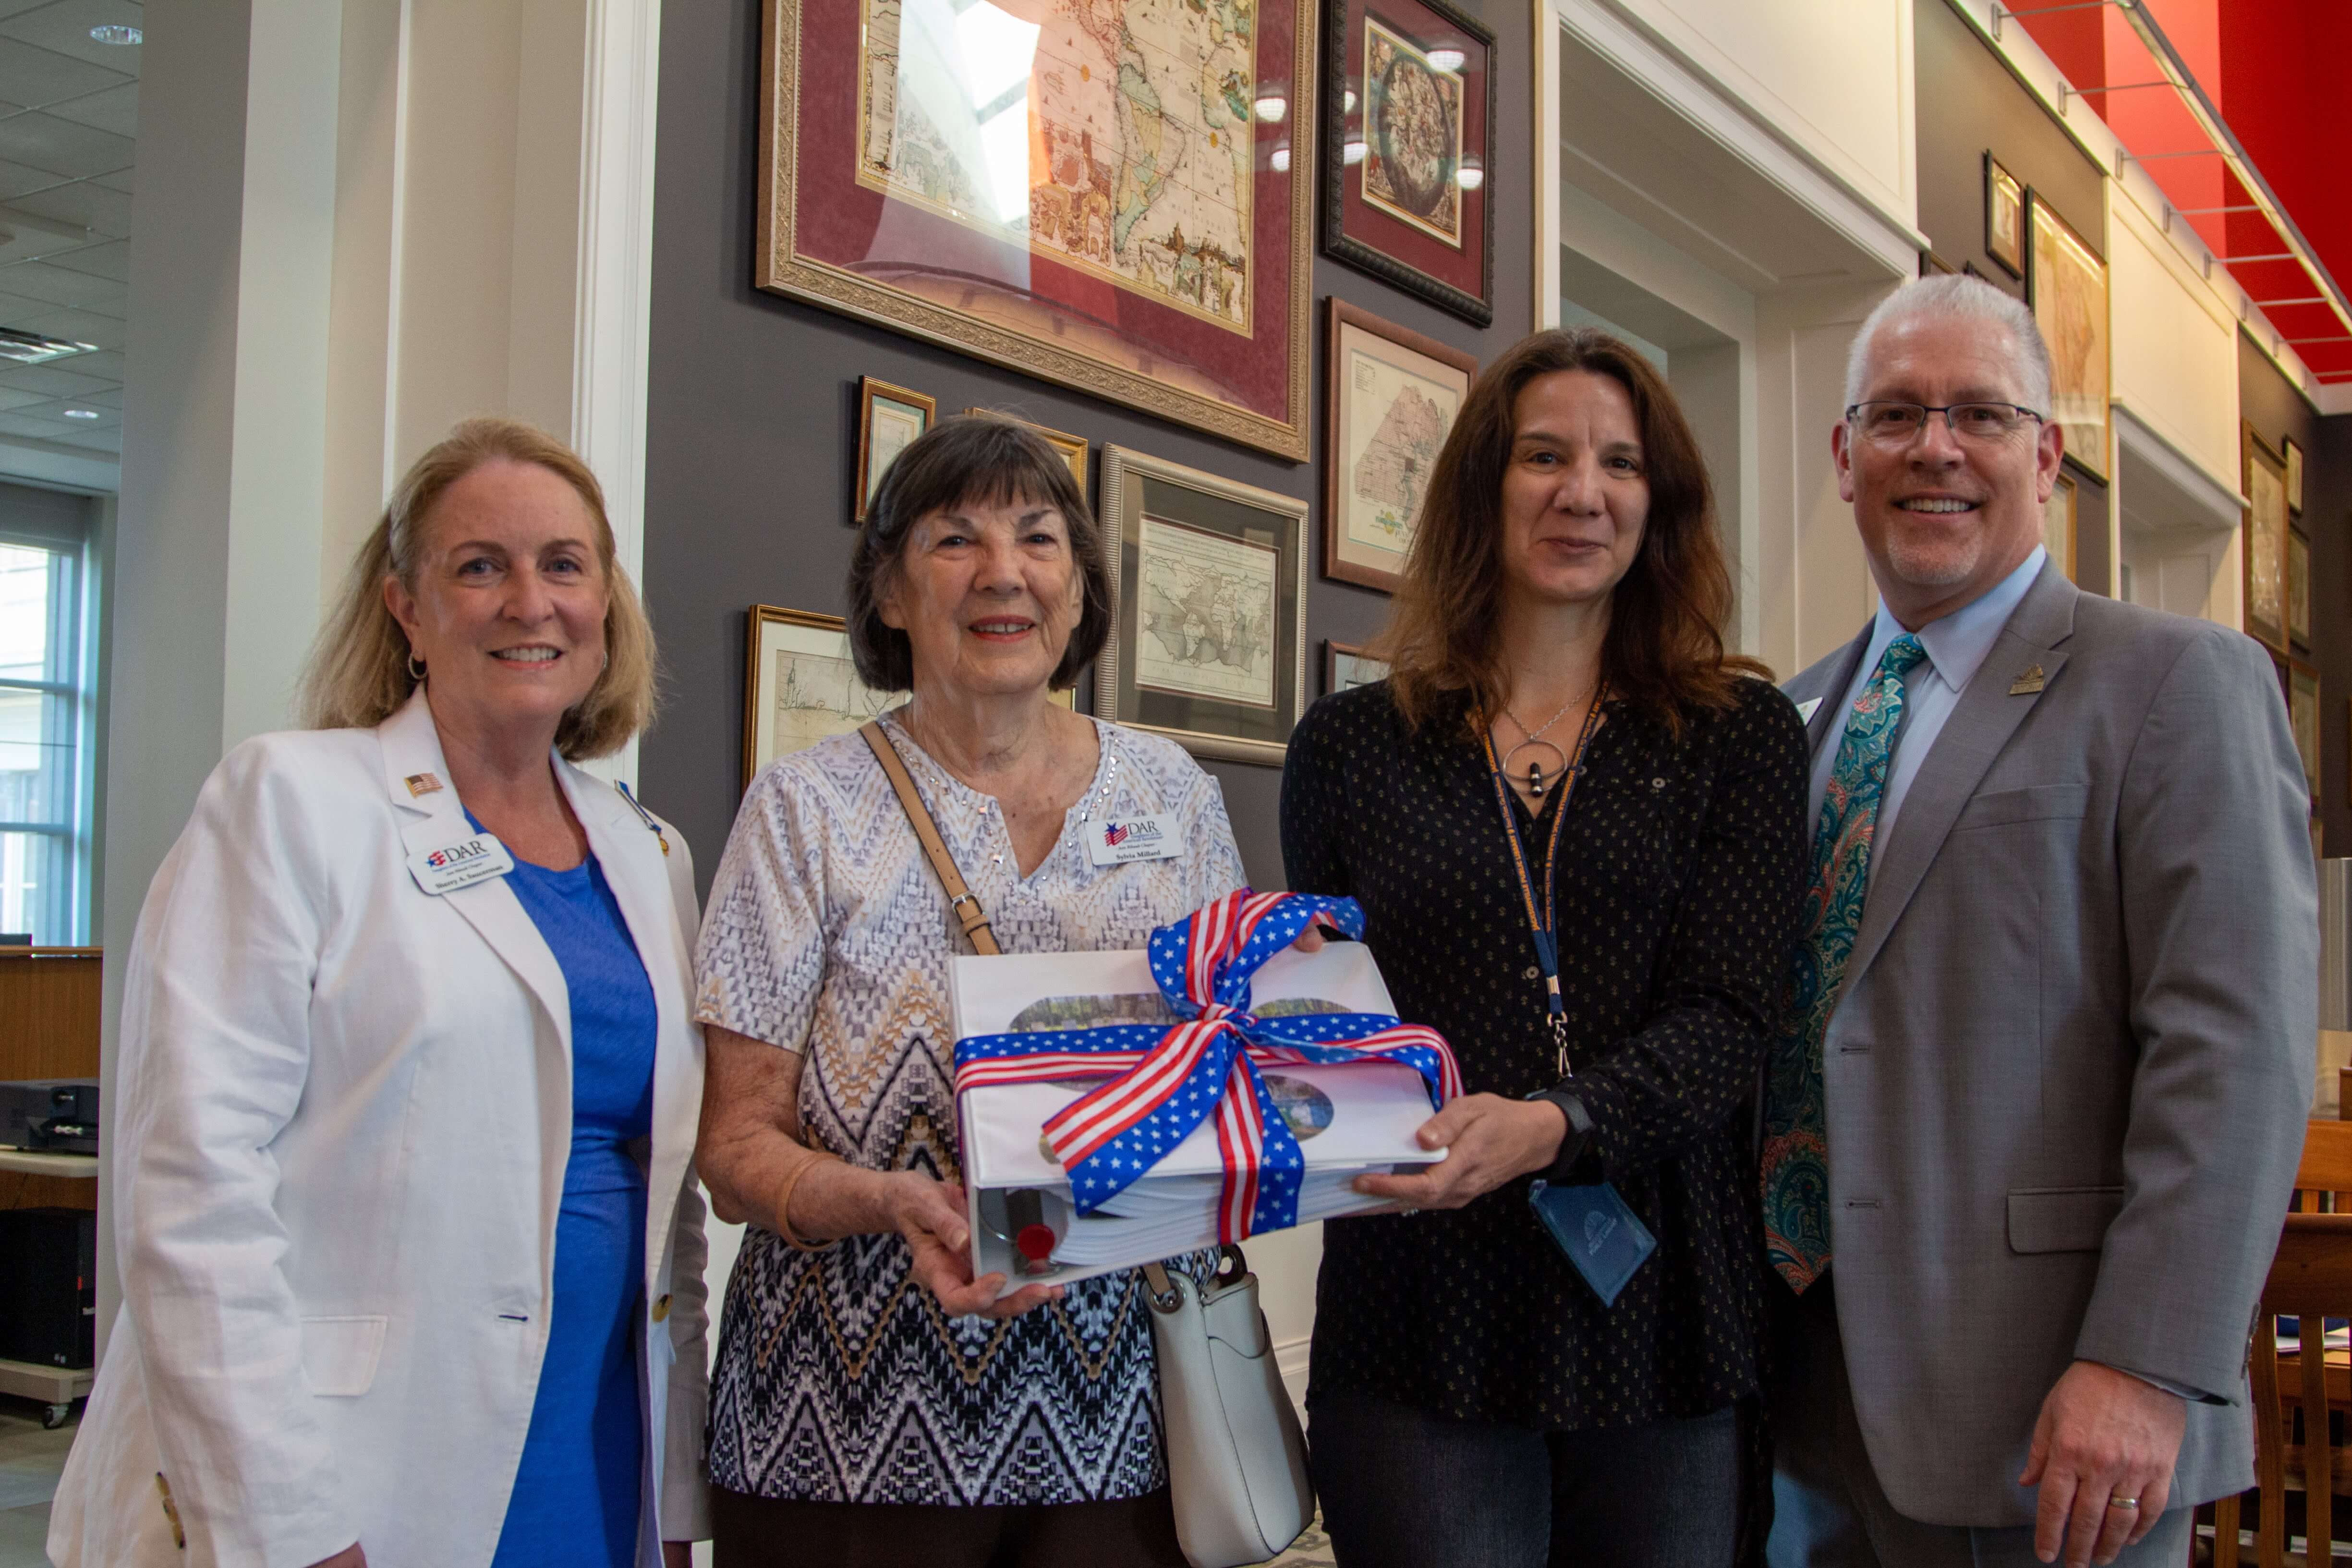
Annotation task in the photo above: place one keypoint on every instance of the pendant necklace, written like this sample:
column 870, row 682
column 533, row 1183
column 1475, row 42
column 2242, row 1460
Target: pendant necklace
column 1536, row 781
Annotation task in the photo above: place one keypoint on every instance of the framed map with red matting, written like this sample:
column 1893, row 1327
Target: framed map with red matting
column 1110, row 194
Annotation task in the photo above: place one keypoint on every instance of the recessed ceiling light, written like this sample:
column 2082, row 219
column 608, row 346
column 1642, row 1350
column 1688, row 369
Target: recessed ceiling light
column 1272, row 108
column 1447, row 59
column 82, row 413
column 1281, row 160
column 116, row 32
column 1352, row 152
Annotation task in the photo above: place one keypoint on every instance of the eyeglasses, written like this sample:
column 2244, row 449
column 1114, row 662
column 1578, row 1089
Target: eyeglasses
column 1900, row 424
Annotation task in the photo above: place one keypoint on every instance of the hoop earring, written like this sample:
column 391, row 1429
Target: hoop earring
column 415, row 671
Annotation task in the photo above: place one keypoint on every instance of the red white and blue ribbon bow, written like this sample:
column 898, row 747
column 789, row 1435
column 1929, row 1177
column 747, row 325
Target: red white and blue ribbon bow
column 1168, row 1081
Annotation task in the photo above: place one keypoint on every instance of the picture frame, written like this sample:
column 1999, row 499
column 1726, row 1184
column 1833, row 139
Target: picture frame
column 2004, row 222
column 2058, row 523
column 1208, row 642
column 1347, row 666
column 1390, row 397
column 800, row 684
column 2292, row 450
column 2066, row 285
column 2262, row 539
column 895, row 186
column 2298, row 588
column 1075, row 449
column 2303, row 717
column 889, row 420
column 1408, row 138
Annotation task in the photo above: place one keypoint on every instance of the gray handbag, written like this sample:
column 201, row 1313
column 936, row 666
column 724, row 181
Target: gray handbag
column 1237, row 1459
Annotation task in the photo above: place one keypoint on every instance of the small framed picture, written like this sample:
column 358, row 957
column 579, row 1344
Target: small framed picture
column 888, row 419
column 1074, row 449
column 1347, row 667
column 2294, row 455
column 2058, row 523
column 800, row 685
column 2004, row 217
column 2263, row 539
column 2298, row 587
column 1408, row 132
column 1208, row 642
column 1390, row 397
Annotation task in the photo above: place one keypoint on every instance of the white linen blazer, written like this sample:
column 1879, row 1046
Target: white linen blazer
column 337, row 1147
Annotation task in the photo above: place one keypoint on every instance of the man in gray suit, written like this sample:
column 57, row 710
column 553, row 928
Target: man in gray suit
column 2031, row 1123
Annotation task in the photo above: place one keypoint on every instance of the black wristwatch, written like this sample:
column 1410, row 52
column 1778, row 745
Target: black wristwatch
column 1571, row 1167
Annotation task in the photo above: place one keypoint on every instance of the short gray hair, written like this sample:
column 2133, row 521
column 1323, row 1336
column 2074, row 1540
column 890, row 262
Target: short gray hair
column 1957, row 297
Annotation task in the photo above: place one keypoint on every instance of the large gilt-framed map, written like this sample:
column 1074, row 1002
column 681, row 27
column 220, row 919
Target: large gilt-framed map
column 1208, row 640
column 1112, row 194
column 2067, row 284
column 1390, row 396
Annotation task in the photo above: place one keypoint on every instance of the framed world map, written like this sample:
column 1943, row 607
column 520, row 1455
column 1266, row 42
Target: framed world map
column 1208, row 641
column 1112, row 194
column 1389, row 400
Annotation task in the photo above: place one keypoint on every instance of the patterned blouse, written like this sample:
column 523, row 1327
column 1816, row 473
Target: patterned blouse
column 1679, row 871
column 826, row 933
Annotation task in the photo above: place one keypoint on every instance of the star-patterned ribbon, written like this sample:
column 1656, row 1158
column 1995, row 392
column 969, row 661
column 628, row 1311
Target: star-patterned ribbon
column 1164, row 1083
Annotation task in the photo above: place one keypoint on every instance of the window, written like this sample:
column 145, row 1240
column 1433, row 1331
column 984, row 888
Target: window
column 47, row 794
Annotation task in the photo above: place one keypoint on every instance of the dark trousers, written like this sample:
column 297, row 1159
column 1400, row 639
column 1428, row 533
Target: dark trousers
column 1403, row 1489
column 771, row 1532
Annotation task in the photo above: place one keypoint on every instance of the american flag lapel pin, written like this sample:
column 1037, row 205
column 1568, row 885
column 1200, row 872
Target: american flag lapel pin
column 422, row 784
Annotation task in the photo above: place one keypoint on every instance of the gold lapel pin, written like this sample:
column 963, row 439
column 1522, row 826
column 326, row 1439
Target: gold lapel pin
column 422, row 783
column 2029, row 683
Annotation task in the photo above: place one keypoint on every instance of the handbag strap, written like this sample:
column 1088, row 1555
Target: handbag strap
column 962, row 902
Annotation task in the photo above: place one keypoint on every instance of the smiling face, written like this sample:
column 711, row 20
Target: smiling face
column 1576, row 495
column 988, row 594
column 508, row 611
column 1944, row 518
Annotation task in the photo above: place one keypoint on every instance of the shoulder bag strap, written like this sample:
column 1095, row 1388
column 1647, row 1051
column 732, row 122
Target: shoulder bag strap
column 961, row 900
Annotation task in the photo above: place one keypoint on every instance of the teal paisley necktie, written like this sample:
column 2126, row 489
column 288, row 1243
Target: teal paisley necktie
column 1796, row 1141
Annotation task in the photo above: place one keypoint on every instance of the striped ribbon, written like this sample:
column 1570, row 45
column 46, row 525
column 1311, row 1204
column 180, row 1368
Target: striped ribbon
column 1164, row 1083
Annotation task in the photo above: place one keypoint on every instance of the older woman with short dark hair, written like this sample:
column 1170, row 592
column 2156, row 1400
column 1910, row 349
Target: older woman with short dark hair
column 874, row 1403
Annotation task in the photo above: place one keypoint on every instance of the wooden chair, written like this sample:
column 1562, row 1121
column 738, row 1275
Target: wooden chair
column 2311, row 1280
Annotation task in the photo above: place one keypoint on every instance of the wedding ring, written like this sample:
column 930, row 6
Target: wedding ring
column 2123, row 1502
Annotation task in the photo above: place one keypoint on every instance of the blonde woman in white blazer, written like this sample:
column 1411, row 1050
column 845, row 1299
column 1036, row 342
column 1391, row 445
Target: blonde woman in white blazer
column 345, row 1138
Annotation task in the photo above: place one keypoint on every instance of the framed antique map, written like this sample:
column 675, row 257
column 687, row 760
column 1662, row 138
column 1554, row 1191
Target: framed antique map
column 2058, row 523
column 2293, row 453
column 2263, row 542
column 2298, row 587
column 1073, row 448
column 889, row 419
column 2068, row 288
column 800, row 685
column 2004, row 217
column 1208, row 614
column 2303, row 717
column 1347, row 667
column 1111, row 194
column 1409, row 131
column 1390, row 397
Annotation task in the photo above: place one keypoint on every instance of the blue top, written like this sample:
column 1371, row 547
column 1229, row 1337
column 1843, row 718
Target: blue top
column 1956, row 646
column 576, row 1493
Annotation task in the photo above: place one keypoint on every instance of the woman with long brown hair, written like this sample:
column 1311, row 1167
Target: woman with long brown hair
column 1577, row 828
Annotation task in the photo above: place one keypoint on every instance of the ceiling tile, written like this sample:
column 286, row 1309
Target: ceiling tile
column 114, row 109
column 110, row 260
column 77, row 326
column 18, row 7
column 106, row 364
column 100, row 439
column 65, row 26
column 17, row 179
column 39, row 280
column 24, row 425
column 102, row 212
column 11, row 399
column 46, row 381
column 15, row 309
column 76, row 151
column 35, row 76
column 118, row 181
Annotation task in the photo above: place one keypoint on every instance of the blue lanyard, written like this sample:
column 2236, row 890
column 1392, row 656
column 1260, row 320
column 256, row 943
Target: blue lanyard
column 1542, row 923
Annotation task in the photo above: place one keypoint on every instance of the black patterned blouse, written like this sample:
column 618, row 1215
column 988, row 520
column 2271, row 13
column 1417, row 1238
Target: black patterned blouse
column 1679, row 873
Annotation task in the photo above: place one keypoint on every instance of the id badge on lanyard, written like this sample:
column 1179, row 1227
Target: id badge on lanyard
column 1592, row 1225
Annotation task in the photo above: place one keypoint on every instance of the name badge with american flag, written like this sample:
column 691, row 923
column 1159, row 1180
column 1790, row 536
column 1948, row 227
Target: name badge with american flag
column 1114, row 841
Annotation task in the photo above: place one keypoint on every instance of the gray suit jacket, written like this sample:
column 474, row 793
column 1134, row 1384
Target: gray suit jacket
column 2068, row 1076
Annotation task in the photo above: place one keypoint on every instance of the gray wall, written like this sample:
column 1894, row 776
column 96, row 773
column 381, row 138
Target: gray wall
column 751, row 432
column 1969, row 103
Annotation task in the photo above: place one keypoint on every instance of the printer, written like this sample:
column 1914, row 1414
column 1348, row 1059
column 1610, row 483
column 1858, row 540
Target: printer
column 56, row 1116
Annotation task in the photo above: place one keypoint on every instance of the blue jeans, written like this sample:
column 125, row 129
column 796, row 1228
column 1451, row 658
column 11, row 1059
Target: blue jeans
column 1403, row 1489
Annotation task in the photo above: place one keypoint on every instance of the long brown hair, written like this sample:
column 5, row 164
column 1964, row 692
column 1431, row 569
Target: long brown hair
column 359, row 675
column 1665, row 651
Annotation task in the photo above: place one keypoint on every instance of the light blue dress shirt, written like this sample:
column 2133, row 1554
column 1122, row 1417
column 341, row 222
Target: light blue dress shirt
column 1957, row 645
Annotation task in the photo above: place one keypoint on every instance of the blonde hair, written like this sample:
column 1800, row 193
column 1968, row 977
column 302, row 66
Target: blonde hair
column 357, row 676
